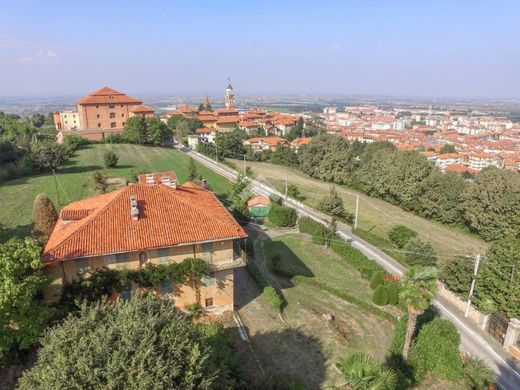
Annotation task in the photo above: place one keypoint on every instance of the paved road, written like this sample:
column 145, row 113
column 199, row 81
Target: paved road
column 473, row 341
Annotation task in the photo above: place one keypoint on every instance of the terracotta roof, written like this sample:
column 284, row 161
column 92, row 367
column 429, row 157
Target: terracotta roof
column 458, row 168
column 259, row 199
column 271, row 141
column 168, row 217
column 187, row 110
column 107, row 95
column 205, row 130
column 141, row 108
column 301, row 141
column 228, row 119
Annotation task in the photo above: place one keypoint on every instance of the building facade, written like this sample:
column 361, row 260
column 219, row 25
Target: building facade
column 155, row 221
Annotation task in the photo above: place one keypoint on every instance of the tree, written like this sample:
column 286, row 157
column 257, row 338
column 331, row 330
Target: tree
column 110, row 159
column 44, row 218
column 231, row 144
column 157, row 131
column 491, row 204
column 498, row 279
column 363, row 373
column 201, row 107
column 400, row 235
column 417, row 293
column 457, row 273
column 440, row 197
column 377, row 279
column 100, row 181
column 192, row 170
column 333, row 204
column 135, row 131
column 329, row 232
column 297, row 130
column 38, row 120
column 48, row 154
column 448, row 148
column 22, row 316
column 139, row 344
column 419, row 252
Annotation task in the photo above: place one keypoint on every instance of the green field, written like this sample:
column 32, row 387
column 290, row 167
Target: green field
column 75, row 179
column 375, row 215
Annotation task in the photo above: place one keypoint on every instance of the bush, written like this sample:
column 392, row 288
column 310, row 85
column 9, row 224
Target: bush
column 110, row 159
column 380, row 296
column 282, row 216
column 272, row 296
column 310, row 226
column 401, row 234
column 436, row 350
column 377, row 279
column 44, row 217
column 357, row 259
column 393, row 289
column 332, row 204
column 73, row 142
column 477, row 374
column 419, row 252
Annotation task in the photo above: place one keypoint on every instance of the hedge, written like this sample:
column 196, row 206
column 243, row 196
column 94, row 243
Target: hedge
column 282, row 216
column 380, row 296
column 358, row 260
column 436, row 349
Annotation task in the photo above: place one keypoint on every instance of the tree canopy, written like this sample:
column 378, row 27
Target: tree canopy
column 138, row 344
column 140, row 130
column 22, row 315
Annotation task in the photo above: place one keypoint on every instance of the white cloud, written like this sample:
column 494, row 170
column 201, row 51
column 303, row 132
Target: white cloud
column 41, row 56
column 7, row 40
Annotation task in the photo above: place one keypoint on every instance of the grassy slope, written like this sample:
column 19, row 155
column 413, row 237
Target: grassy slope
column 75, row 182
column 374, row 214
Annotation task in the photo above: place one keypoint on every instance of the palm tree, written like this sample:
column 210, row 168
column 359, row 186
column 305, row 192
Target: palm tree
column 418, row 291
column 363, row 373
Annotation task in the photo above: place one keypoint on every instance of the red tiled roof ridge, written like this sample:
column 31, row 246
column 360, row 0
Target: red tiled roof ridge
column 193, row 205
column 116, row 193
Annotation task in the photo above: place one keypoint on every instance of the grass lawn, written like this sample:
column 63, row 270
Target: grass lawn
column 375, row 215
column 75, row 182
column 306, row 267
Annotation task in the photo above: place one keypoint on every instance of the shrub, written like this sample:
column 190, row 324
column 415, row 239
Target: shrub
column 393, row 289
column 110, row 159
column 377, row 279
column 436, row 350
column 357, row 259
column 44, row 217
column 282, row 216
column 419, row 252
column 310, row 226
column 333, row 204
column 100, row 181
column 477, row 374
column 380, row 296
column 272, row 296
column 400, row 235
column 73, row 142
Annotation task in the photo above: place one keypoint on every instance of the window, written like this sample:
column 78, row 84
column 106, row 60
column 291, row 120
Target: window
column 97, row 106
column 98, row 115
column 209, row 302
column 112, row 115
column 122, row 115
column 143, row 258
column 99, row 125
column 121, row 106
column 123, row 124
column 111, row 106
column 113, row 125
column 207, row 251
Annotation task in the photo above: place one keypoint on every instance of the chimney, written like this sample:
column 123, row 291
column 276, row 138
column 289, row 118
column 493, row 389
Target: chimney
column 134, row 210
column 168, row 181
column 150, row 178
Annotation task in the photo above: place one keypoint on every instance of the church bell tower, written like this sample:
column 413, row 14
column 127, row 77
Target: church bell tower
column 230, row 96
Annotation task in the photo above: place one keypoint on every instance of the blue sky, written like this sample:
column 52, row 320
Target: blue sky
column 401, row 48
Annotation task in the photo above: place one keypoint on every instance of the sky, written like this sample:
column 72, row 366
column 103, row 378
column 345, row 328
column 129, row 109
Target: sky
column 415, row 48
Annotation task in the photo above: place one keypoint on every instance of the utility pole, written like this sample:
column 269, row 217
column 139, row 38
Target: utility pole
column 357, row 211
column 477, row 262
